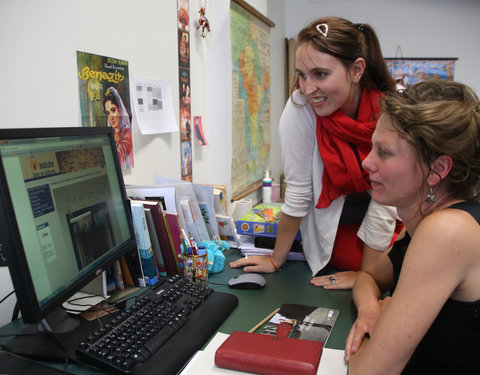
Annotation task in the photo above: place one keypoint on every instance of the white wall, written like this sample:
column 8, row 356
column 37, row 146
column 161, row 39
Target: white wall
column 39, row 86
column 423, row 28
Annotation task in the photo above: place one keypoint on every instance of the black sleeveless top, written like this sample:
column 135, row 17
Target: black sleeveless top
column 452, row 344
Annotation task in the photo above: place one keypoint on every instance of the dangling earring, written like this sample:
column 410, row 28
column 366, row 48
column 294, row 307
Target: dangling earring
column 431, row 196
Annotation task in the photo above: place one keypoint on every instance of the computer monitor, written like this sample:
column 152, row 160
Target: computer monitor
column 65, row 214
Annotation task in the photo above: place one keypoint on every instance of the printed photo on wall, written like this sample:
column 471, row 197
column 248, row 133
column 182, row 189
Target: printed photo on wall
column 411, row 70
column 186, row 161
column 184, row 86
column 185, row 126
column 105, row 99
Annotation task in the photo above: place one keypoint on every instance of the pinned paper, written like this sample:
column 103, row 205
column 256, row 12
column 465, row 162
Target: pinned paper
column 153, row 106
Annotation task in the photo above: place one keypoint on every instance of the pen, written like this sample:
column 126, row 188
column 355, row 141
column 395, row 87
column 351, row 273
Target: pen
column 267, row 318
column 185, row 237
column 184, row 245
column 194, row 246
column 188, row 248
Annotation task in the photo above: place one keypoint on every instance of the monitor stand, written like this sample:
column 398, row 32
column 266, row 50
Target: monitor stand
column 54, row 338
column 58, row 321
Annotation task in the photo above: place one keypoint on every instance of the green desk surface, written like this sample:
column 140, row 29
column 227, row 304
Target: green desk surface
column 290, row 285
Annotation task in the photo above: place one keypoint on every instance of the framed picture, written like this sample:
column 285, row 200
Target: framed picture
column 410, row 70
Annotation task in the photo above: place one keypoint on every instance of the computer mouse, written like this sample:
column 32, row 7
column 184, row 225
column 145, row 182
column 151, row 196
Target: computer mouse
column 247, row 281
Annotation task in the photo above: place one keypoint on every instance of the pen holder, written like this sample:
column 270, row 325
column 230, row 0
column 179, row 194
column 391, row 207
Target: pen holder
column 195, row 267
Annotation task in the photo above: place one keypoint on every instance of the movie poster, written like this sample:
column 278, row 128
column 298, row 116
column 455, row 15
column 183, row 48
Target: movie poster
column 105, row 99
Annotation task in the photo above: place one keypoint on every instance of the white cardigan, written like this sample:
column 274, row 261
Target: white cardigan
column 303, row 169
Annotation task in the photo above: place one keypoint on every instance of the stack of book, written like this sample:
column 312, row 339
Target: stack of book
column 162, row 215
column 158, row 242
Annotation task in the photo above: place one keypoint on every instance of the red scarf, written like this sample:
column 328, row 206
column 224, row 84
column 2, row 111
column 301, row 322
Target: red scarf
column 343, row 144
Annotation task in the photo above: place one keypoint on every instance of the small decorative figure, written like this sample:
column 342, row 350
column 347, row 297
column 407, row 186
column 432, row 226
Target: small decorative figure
column 203, row 22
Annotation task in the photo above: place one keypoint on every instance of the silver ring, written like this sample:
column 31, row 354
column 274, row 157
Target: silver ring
column 332, row 280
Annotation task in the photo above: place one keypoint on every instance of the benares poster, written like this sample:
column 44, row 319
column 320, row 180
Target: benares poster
column 105, row 99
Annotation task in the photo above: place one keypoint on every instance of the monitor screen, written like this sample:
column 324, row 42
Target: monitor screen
column 65, row 211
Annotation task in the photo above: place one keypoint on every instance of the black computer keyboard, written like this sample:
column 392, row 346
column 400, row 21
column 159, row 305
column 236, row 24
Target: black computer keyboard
column 161, row 331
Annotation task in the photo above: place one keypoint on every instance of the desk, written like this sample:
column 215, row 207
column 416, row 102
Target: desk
column 290, row 285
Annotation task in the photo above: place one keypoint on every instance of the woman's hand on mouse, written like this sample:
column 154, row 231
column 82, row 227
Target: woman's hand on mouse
column 254, row 263
column 338, row 280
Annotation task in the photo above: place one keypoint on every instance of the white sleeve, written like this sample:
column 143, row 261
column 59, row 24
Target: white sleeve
column 378, row 226
column 297, row 140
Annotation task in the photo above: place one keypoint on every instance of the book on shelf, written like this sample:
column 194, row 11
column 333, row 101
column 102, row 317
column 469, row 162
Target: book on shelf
column 220, row 199
column 302, row 322
column 205, row 199
column 157, row 251
column 118, row 276
column 110, row 280
column 193, row 203
column 163, row 235
column 175, row 231
column 134, row 264
column 127, row 275
column 150, row 270
column 226, row 228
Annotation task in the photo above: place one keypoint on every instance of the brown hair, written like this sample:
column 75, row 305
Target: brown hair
column 439, row 117
column 348, row 41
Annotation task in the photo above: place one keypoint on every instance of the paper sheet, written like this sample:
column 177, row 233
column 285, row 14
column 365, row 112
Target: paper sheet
column 83, row 301
column 153, row 106
column 203, row 362
column 247, row 246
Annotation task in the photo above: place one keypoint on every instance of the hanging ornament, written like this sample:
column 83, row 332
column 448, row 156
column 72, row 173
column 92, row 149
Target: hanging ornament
column 203, row 23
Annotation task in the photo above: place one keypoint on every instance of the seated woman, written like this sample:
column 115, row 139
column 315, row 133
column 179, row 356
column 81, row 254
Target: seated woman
column 426, row 162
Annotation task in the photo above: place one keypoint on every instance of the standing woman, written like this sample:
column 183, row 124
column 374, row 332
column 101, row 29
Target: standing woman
column 325, row 133
column 425, row 161
column 119, row 120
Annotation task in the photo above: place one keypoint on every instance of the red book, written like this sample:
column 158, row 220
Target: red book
column 157, row 251
column 175, row 231
column 266, row 354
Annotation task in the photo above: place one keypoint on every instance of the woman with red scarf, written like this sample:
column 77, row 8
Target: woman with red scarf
column 325, row 134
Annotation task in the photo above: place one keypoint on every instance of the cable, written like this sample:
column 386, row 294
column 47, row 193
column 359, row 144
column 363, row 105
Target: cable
column 8, row 295
column 208, row 281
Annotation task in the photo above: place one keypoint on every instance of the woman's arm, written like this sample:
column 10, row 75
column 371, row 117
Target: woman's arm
column 378, row 226
column 439, row 254
column 375, row 277
column 346, row 279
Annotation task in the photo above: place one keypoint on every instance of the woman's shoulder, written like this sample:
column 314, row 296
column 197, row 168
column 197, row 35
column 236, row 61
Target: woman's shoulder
column 298, row 104
column 459, row 213
column 447, row 229
column 472, row 207
column 298, row 117
column 451, row 219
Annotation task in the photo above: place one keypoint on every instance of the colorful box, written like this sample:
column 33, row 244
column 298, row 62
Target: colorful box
column 261, row 220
